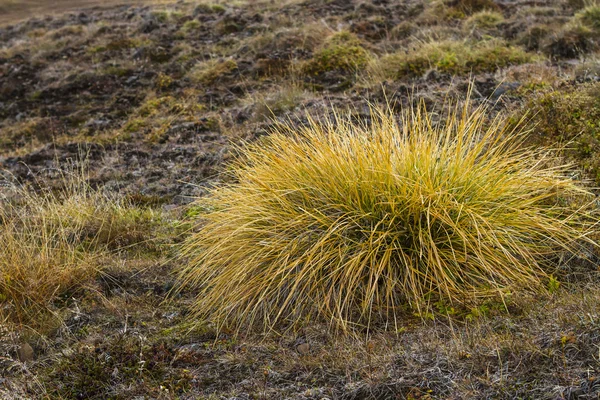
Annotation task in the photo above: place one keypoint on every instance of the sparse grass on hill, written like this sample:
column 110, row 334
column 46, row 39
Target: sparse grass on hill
column 53, row 244
column 351, row 223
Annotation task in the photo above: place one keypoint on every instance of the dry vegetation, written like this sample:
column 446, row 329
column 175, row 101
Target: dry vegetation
column 463, row 244
column 356, row 224
column 53, row 244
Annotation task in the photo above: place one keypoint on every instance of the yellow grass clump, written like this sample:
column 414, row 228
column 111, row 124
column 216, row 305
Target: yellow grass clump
column 54, row 243
column 355, row 223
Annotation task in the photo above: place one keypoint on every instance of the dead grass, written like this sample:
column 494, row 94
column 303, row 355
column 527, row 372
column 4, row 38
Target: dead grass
column 53, row 244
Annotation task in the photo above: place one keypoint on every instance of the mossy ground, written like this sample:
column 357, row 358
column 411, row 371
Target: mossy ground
column 153, row 96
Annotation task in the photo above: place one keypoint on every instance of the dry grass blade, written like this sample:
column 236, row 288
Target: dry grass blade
column 352, row 222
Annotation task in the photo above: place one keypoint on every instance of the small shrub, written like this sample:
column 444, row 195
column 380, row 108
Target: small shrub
column 115, row 45
column 450, row 57
column 577, row 4
column 342, row 52
column 288, row 40
column 579, row 36
column 573, row 40
column 89, row 372
column 440, row 11
column 209, row 9
column 535, row 36
column 166, row 15
column 163, row 81
column 29, row 132
column 570, row 117
column 351, row 223
column 68, row 30
column 590, row 17
column 588, row 69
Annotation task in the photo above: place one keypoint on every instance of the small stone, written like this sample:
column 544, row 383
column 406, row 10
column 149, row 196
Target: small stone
column 25, row 352
column 303, row 348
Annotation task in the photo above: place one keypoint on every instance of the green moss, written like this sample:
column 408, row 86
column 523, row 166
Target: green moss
column 570, row 117
column 341, row 52
column 186, row 331
column 151, row 106
column 35, row 95
column 457, row 58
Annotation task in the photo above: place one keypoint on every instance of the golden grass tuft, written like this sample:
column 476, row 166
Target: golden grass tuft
column 53, row 244
column 355, row 223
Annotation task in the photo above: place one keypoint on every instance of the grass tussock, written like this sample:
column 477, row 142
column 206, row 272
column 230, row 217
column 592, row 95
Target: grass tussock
column 343, row 51
column 451, row 57
column 355, row 223
column 212, row 71
column 578, row 36
column 54, row 244
column 484, row 20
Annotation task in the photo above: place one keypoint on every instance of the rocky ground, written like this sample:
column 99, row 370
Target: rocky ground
column 154, row 98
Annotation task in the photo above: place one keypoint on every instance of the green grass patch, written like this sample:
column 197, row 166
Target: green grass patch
column 341, row 52
column 451, row 57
